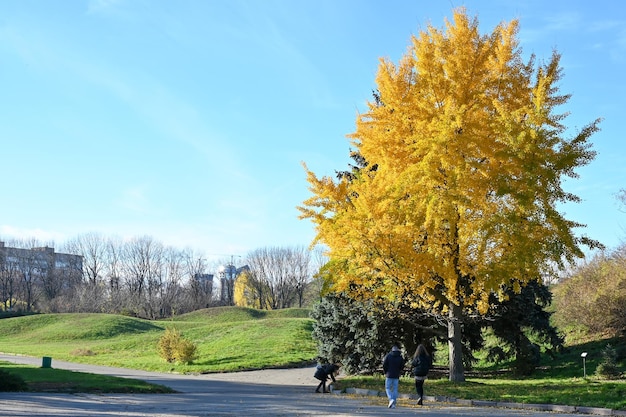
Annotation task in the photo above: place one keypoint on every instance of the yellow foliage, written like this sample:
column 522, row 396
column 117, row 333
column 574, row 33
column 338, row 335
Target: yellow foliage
column 244, row 294
column 173, row 347
column 239, row 291
column 468, row 159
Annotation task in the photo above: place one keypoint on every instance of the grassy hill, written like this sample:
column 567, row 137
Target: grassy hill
column 228, row 339
column 232, row 338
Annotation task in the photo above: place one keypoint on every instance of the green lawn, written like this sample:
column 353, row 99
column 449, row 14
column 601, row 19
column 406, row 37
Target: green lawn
column 571, row 391
column 560, row 380
column 232, row 339
column 58, row 380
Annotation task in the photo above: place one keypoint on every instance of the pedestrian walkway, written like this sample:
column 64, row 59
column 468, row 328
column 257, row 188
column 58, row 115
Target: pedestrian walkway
column 275, row 392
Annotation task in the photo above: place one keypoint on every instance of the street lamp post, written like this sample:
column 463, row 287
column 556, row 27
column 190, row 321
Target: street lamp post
column 584, row 356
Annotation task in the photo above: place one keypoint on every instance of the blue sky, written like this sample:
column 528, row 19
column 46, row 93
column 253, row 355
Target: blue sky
column 188, row 121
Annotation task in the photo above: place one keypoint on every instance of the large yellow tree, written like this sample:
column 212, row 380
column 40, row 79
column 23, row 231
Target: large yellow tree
column 465, row 161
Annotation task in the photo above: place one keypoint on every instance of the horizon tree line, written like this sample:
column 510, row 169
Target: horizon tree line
column 144, row 278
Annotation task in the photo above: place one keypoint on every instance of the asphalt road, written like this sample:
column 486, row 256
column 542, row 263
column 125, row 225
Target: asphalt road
column 277, row 393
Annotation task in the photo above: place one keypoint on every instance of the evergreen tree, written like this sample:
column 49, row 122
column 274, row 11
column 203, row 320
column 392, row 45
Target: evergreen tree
column 515, row 318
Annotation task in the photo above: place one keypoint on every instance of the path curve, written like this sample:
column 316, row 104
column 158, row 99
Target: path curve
column 264, row 393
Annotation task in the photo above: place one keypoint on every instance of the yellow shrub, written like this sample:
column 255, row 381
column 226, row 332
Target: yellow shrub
column 173, row 347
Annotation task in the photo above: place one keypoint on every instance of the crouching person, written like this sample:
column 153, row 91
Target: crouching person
column 323, row 372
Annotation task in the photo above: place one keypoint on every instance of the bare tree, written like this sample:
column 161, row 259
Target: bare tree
column 44, row 261
column 199, row 287
column 155, row 281
column 114, row 271
column 93, row 248
column 142, row 267
column 279, row 276
column 316, row 287
column 30, row 272
column 300, row 271
column 64, row 275
column 9, row 282
column 171, row 288
column 92, row 292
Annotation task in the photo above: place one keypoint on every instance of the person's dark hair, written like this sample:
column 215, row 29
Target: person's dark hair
column 421, row 350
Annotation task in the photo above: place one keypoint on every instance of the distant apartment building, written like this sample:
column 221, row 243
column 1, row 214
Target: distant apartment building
column 42, row 260
column 205, row 281
column 27, row 272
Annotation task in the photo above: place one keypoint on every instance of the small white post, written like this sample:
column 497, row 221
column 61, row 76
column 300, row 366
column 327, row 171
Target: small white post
column 584, row 356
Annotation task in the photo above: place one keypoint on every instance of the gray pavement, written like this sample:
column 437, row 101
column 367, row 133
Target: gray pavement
column 278, row 392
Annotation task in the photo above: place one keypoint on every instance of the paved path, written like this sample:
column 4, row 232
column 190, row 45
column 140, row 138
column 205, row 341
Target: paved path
column 277, row 393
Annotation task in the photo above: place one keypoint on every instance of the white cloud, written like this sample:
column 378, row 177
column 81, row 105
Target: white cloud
column 8, row 233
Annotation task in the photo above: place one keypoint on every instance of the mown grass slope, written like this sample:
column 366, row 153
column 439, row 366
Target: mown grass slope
column 228, row 339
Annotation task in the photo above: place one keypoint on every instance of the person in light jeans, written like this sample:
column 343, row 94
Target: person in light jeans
column 393, row 364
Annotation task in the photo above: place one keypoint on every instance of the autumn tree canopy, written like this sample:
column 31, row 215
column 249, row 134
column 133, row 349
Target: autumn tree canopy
column 469, row 155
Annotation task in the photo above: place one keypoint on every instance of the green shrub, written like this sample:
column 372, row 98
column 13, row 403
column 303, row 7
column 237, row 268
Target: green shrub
column 11, row 382
column 173, row 347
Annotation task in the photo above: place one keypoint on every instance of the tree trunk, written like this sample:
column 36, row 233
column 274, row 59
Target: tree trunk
column 457, row 372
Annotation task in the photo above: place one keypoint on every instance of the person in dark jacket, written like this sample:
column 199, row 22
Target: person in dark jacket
column 322, row 372
column 421, row 363
column 393, row 365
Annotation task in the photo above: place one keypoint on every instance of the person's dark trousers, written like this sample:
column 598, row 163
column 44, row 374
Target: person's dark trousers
column 419, row 387
column 321, row 385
